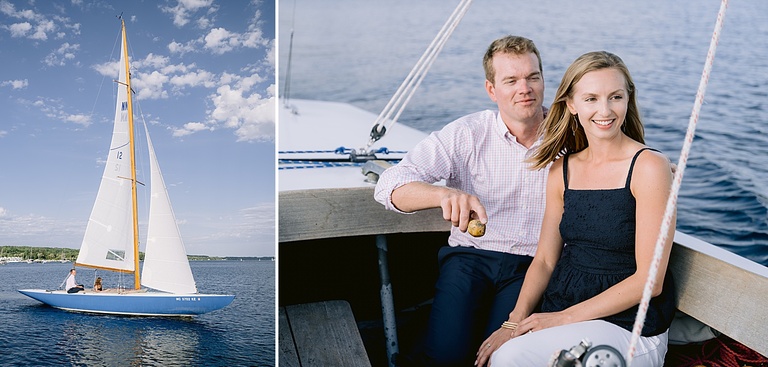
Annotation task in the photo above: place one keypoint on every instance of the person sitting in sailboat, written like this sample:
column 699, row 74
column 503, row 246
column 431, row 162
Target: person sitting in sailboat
column 72, row 286
column 97, row 285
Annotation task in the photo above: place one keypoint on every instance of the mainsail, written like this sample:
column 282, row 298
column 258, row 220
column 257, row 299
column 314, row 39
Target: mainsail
column 109, row 236
column 166, row 267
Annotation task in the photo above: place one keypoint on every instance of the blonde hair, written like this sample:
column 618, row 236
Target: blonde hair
column 561, row 131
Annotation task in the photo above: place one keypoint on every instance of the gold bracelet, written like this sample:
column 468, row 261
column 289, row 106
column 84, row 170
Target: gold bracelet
column 509, row 325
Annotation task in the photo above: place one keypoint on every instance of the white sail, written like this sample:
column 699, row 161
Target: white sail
column 108, row 239
column 166, row 267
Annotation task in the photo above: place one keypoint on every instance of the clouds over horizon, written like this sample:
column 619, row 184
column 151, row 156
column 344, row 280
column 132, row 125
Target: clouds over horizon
column 247, row 232
column 253, row 227
column 35, row 230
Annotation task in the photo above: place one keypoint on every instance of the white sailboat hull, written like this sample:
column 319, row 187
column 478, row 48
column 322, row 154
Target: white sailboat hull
column 133, row 304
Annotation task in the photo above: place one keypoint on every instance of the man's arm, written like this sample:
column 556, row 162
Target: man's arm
column 458, row 206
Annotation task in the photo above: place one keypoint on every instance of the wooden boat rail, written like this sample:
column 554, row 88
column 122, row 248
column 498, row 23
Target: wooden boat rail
column 719, row 288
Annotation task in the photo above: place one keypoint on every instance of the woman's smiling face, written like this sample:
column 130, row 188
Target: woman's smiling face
column 600, row 101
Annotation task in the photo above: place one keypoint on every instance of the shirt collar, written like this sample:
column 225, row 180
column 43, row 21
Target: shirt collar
column 502, row 131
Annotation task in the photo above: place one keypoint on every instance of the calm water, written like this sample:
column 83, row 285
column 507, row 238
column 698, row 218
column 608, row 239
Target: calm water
column 359, row 52
column 242, row 334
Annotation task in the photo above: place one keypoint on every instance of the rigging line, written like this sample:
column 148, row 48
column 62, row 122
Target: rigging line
column 104, row 76
column 422, row 66
column 672, row 201
column 287, row 81
column 423, row 75
column 422, row 63
column 420, row 69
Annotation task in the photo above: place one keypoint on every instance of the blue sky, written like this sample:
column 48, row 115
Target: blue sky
column 203, row 73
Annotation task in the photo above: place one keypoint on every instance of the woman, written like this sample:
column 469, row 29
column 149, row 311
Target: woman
column 606, row 199
column 97, row 285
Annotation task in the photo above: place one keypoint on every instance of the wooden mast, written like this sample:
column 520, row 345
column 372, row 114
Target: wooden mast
column 136, row 278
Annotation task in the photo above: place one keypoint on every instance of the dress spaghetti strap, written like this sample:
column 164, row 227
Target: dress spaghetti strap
column 632, row 165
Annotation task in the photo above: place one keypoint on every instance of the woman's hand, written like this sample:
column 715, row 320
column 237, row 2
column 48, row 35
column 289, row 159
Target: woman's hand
column 540, row 321
column 490, row 345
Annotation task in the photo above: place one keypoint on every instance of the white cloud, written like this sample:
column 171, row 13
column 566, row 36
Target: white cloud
column 34, row 25
column 15, row 84
column 175, row 47
column 252, row 116
column 203, row 22
column 62, row 55
column 109, row 69
column 270, row 58
column 151, row 61
column 53, row 109
column 190, row 128
column 20, row 29
column 220, row 41
column 150, row 86
column 152, row 75
column 194, row 79
column 81, row 119
column 42, row 29
column 3, row 212
column 184, row 10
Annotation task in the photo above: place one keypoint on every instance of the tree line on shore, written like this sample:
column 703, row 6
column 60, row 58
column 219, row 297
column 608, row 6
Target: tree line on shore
column 70, row 254
column 39, row 253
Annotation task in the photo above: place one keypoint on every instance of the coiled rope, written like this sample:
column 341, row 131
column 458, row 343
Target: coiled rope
column 672, row 201
column 406, row 90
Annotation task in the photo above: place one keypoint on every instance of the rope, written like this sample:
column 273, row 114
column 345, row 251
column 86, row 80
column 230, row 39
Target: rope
column 672, row 201
column 316, row 164
column 406, row 90
column 342, row 150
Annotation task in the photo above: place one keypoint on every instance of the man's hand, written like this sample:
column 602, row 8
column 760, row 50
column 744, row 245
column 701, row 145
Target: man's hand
column 460, row 207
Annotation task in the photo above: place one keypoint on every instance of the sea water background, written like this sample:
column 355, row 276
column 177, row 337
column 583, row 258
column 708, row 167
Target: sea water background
column 360, row 51
column 242, row 334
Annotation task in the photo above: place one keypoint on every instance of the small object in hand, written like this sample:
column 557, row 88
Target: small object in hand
column 476, row 228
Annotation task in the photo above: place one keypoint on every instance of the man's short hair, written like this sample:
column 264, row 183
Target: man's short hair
column 515, row 45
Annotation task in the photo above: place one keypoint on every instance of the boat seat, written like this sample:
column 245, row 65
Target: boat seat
column 320, row 334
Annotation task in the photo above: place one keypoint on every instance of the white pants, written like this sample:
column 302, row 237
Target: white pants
column 536, row 348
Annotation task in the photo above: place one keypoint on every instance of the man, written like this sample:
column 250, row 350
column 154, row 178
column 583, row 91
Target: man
column 481, row 158
column 72, row 286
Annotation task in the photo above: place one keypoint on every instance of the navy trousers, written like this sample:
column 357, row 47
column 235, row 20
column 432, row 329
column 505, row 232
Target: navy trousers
column 475, row 292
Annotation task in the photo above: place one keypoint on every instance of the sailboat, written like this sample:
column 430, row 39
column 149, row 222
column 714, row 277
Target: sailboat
column 111, row 240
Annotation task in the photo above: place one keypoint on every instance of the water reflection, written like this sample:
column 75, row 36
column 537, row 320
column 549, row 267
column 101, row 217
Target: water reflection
column 113, row 341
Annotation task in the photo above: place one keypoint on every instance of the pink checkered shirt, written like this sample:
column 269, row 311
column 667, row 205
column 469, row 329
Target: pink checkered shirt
column 478, row 155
